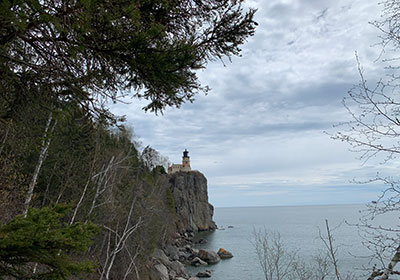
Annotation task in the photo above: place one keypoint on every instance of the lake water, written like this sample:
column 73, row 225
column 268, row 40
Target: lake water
column 299, row 229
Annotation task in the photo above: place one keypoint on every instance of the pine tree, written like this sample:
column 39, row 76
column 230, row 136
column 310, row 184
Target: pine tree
column 42, row 240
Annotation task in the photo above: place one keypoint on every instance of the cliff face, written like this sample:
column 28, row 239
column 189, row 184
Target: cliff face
column 193, row 212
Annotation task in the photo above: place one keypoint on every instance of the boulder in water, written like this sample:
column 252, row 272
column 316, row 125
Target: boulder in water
column 208, row 256
column 224, row 254
column 205, row 274
column 201, row 241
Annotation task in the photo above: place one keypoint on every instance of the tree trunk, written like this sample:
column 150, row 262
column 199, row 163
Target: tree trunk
column 392, row 264
column 99, row 189
column 43, row 153
column 120, row 244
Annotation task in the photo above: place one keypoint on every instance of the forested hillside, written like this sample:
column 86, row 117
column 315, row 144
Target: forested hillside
column 97, row 172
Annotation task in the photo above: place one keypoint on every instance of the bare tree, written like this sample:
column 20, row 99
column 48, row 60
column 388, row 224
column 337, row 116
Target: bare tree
column 120, row 239
column 275, row 260
column 152, row 158
column 375, row 124
column 102, row 181
column 321, row 266
column 374, row 132
column 279, row 262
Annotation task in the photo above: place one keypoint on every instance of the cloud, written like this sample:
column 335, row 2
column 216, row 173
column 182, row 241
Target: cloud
column 262, row 125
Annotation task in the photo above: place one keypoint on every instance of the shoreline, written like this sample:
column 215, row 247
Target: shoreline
column 172, row 261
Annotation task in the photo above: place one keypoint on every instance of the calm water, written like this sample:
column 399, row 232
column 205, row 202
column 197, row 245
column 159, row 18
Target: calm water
column 299, row 229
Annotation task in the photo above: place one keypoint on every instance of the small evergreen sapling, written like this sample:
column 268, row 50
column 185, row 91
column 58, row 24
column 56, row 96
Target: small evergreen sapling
column 43, row 240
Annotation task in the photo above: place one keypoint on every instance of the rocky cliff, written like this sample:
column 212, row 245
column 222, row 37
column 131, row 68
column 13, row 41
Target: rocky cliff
column 187, row 195
column 193, row 212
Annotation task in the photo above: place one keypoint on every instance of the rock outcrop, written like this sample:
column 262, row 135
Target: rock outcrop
column 197, row 262
column 159, row 272
column 193, row 212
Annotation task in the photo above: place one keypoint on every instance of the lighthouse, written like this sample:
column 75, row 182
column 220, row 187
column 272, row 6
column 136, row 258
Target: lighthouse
column 185, row 166
column 186, row 161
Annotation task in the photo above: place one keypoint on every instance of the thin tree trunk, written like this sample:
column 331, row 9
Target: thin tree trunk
column 120, row 244
column 43, row 153
column 79, row 202
column 331, row 250
column 99, row 190
column 132, row 264
column 392, row 264
column 107, row 256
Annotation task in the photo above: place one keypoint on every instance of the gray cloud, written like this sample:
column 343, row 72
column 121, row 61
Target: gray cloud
column 258, row 136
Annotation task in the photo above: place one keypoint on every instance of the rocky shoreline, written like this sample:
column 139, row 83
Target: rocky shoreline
column 170, row 263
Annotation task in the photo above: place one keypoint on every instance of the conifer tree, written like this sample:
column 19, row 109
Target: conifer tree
column 90, row 50
column 41, row 239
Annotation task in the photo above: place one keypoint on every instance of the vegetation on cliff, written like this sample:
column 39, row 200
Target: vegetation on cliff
column 98, row 171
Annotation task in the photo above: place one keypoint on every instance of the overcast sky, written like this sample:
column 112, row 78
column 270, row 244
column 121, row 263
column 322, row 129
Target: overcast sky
column 258, row 136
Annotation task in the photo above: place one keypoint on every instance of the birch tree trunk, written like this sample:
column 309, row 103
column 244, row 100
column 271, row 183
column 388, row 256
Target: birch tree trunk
column 99, row 189
column 392, row 264
column 43, row 153
column 79, row 202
